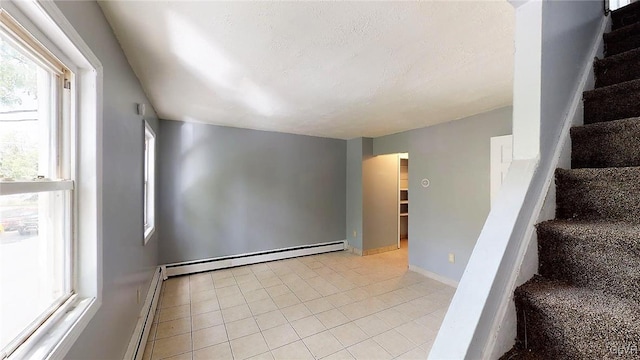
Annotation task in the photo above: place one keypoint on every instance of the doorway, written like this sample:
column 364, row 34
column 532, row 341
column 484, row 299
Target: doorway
column 403, row 203
column 385, row 203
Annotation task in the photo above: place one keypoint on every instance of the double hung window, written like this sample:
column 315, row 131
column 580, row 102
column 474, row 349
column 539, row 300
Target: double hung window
column 36, row 185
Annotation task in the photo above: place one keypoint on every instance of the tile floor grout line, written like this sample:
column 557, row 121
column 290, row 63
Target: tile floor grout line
column 288, row 322
column 224, row 322
column 333, row 270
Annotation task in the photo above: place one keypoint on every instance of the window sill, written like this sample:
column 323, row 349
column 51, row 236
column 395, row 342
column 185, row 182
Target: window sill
column 148, row 233
column 55, row 337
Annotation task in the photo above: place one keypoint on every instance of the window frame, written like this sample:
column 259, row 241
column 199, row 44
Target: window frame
column 45, row 22
column 57, row 161
column 149, row 182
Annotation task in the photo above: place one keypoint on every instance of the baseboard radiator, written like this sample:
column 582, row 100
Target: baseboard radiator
column 135, row 350
column 192, row 267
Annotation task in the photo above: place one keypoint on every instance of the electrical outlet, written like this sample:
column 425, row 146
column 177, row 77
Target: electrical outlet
column 452, row 258
column 355, row 233
column 138, row 296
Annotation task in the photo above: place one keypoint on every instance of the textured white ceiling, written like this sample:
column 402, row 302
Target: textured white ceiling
column 332, row 69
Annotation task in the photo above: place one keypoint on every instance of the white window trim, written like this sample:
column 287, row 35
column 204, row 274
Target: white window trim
column 64, row 327
column 21, row 187
column 150, row 204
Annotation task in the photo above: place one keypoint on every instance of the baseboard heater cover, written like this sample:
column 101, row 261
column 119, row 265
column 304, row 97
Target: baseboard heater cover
column 192, row 267
column 135, row 350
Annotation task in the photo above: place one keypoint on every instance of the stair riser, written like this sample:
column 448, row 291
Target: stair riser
column 535, row 335
column 572, row 259
column 614, row 144
column 615, row 71
column 628, row 15
column 544, row 334
column 616, row 46
column 609, row 194
column 614, row 104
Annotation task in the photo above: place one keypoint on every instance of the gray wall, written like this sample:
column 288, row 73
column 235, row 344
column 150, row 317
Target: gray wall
column 354, row 192
column 568, row 31
column 380, row 191
column 448, row 215
column 228, row 191
column 127, row 264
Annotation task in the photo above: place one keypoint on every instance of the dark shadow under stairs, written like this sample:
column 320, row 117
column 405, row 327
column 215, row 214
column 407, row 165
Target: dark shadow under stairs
column 585, row 302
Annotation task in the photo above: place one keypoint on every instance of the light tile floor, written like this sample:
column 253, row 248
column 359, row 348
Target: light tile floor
column 329, row 306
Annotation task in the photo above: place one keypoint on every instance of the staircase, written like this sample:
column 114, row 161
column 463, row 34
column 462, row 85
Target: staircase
column 585, row 302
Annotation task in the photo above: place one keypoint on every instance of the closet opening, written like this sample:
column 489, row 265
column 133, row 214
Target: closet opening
column 403, row 203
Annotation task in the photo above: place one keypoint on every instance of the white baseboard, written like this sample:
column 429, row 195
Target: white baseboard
column 135, row 350
column 380, row 250
column 434, row 276
column 191, row 267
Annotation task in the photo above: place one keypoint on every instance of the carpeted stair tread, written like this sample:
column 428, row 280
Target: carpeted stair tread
column 608, row 144
column 621, row 40
column 567, row 249
column 613, row 102
column 560, row 321
column 625, row 16
column 598, row 194
column 617, row 69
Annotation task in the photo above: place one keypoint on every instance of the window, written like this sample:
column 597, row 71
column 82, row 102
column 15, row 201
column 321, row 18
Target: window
column 617, row 4
column 149, row 181
column 50, row 180
column 37, row 186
